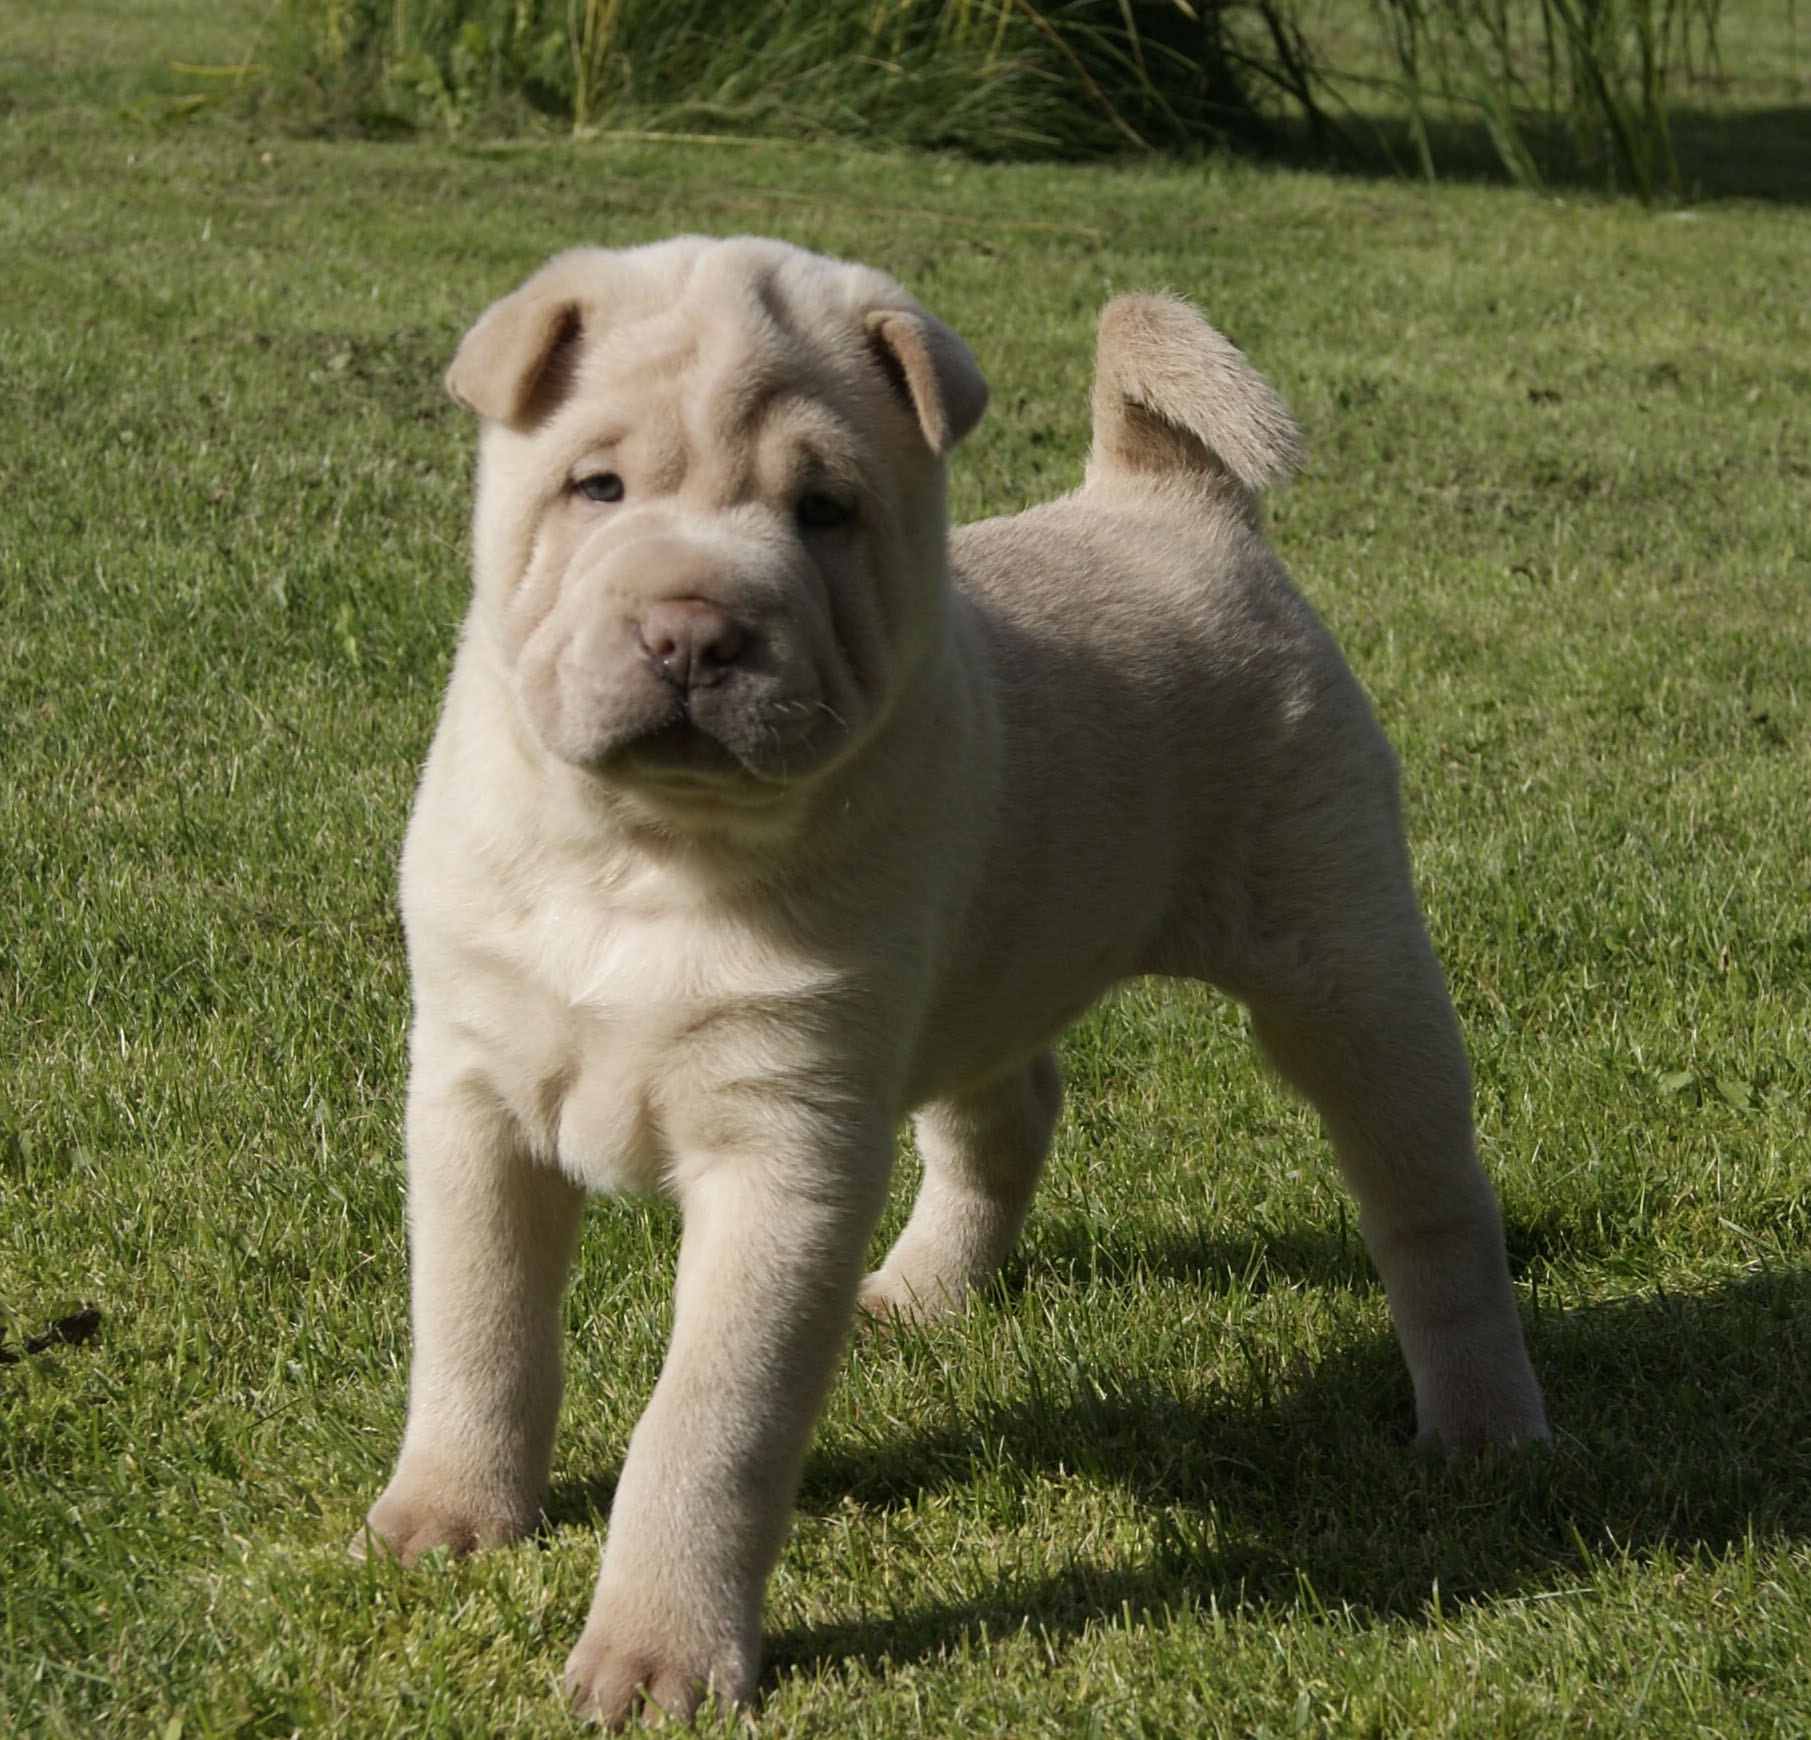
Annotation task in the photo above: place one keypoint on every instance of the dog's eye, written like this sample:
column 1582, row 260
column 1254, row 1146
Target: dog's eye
column 823, row 512
column 600, row 486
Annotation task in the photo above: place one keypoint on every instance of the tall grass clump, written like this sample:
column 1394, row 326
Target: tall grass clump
column 991, row 78
column 1550, row 87
column 1559, row 86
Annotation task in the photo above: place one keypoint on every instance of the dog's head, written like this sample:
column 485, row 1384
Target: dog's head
column 710, row 538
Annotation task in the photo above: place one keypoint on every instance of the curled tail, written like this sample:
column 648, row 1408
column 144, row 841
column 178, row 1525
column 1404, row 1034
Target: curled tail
column 1171, row 394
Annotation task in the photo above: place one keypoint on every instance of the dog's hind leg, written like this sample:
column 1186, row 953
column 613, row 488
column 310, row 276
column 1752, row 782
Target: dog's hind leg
column 982, row 1152
column 1375, row 1047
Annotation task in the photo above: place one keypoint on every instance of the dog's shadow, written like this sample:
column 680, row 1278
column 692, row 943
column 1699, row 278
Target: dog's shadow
column 1682, row 1420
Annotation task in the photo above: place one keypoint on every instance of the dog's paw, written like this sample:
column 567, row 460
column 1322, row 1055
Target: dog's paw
column 414, row 1517
column 616, row 1675
column 888, row 1297
column 1511, row 1430
column 1478, row 1405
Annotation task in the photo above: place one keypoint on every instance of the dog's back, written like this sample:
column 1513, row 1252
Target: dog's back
column 1158, row 677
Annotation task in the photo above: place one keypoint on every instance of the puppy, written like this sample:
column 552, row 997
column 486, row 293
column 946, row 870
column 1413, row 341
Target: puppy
column 764, row 811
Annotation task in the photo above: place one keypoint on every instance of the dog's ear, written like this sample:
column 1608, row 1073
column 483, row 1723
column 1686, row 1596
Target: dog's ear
column 512, row 367
column 932, row 370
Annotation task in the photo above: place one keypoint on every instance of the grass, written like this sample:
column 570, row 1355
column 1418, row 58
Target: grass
column 1549, row 89
column 995, row 78
column 1159, row 1483
column 998, row 78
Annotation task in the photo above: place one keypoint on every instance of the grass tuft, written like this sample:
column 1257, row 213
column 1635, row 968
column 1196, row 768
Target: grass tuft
column 1554, row 87
column 992, row 78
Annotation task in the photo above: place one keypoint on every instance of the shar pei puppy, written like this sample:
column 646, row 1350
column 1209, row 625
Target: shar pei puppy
column 765, row 812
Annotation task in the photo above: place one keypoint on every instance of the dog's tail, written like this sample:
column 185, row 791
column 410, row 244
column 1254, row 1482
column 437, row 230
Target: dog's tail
column 1170, row 395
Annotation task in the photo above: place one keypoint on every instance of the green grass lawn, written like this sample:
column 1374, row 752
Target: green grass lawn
column 1160, row 1483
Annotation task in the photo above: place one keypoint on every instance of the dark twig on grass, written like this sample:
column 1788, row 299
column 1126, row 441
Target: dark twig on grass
column 72, row 1330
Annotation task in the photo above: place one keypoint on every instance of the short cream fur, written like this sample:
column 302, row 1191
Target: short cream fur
column 765, row 812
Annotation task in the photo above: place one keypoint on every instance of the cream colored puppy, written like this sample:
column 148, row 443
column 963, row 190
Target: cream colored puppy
column 763, row 812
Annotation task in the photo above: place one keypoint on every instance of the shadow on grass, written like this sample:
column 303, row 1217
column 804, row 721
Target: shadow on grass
column 1079, row 1257
column 1683, row 1423
column 1091, row 1257
column 1722, row 153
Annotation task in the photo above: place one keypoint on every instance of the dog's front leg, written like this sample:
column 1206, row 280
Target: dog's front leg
column 491, row 1231
column 768, row 1265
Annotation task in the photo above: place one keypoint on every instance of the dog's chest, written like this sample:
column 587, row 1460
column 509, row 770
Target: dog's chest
column 617, row 985
column 652, row 1017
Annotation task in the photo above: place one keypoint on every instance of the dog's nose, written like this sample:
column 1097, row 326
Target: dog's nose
column 691, row 643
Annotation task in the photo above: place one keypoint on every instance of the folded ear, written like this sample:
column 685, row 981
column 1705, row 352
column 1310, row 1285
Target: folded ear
column 934, row 372
column 509, row 367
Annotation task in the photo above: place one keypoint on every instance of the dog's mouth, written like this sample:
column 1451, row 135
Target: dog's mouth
column 678, row 747
column 698, row 748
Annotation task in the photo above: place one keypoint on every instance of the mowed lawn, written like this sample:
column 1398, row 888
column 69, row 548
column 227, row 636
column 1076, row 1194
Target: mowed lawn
column 1558, row 511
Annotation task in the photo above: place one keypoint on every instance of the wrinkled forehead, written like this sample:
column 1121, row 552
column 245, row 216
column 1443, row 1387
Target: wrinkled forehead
column 716, row 364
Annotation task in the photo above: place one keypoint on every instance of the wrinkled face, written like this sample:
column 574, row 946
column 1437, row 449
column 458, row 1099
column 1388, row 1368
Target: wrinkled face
column 711, row 519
